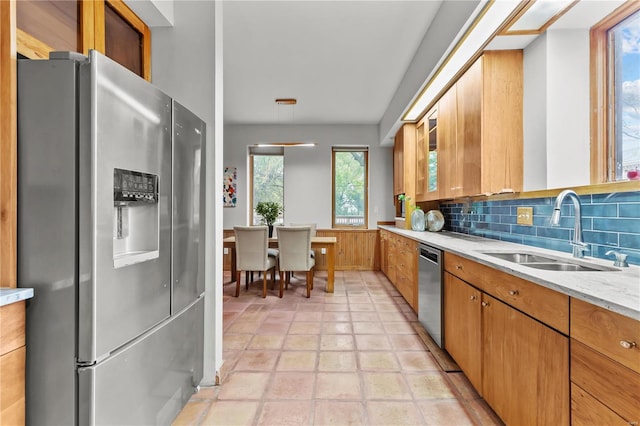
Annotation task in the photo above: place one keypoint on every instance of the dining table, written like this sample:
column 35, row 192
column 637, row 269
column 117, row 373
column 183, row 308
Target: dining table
column 320, row 243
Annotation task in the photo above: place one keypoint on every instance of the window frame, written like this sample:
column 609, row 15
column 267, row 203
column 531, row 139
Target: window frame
column 335, row 149
column 602, row 116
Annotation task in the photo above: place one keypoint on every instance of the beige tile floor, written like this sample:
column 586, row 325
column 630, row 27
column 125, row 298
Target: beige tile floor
column 347, row 358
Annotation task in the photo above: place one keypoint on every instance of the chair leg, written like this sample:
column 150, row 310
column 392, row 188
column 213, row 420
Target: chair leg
column 264, row 286
column 246, row 279
column 309, row 283
column 238, row 274
column 274, row 279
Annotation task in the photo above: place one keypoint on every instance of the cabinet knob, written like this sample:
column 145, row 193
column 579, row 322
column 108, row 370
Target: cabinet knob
column 513, row 292
column 458, row 266
column 627, row 345
column 485, row 304
column 474, row 297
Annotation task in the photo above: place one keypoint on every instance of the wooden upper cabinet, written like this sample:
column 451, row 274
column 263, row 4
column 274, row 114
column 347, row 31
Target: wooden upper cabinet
column 398, row 164
column 108, row 26
column 427, row 157
column 44, row 26
column 448, row 174
column 127, row 40
column 480, row 128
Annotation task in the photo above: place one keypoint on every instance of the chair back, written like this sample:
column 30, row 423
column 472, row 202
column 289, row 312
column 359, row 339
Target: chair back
column 310, row 225
column 294, row 245
column 252, row 243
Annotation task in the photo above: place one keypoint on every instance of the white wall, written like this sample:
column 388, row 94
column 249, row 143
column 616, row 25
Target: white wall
column 308, row 170
column 556, row 110
column 568, row 145
column 184, row 66
column 535, row 115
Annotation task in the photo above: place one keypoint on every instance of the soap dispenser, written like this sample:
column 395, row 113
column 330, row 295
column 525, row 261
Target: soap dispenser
column 621, row 258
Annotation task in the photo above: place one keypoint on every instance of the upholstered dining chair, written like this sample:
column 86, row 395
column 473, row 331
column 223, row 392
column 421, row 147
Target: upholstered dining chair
column 313, row 233
column 294, row 245
column 310, row 225
column 253, row 254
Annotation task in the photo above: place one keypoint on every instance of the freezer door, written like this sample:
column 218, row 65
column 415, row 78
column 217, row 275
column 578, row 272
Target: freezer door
column 188, row 207
column 124, row 124
column 149, row 381
column 47, row 235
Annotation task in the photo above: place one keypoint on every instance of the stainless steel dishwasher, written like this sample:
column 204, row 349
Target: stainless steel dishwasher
column 430, row 312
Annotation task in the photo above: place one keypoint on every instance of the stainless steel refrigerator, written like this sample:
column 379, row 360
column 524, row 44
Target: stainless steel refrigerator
column 109, row 236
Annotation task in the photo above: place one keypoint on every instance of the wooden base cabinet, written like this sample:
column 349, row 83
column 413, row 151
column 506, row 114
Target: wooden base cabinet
column 525, row 367
column 518, row 364
column 463, row 333
column 12, row 364
column 605, row 366
column 401, row 265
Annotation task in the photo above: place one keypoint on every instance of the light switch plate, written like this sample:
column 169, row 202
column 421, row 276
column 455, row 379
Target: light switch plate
column 525, row 216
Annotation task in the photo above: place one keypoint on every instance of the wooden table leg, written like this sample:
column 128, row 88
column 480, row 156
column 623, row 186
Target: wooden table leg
column 331, row 264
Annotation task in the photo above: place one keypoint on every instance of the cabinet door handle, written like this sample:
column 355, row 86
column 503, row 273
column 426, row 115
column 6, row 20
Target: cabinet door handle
column 513, row 292
column 474, row 297
column 485, row 304
column 627, row 344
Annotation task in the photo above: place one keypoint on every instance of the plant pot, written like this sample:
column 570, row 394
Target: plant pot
column 270, row 231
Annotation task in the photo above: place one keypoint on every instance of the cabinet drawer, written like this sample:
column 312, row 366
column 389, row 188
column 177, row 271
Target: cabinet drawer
column 405, row 287
column 609, row 382
column 588, row 411
column 545, row 305
column 608, row 332
column 12, row 323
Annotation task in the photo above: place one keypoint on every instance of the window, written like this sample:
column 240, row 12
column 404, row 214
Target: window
column 350, row 187
column 615, row 68
column 267, row 178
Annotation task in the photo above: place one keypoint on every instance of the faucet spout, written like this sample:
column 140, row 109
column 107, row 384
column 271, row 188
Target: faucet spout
column 579, row 246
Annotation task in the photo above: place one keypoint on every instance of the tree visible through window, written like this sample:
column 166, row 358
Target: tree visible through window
column 267, row 182
column 350, row 187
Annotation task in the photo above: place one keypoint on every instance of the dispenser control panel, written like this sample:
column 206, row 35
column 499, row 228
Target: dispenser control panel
column 131, row 186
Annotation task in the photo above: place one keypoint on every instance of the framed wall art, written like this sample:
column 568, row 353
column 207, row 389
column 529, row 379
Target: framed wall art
column 229, row 190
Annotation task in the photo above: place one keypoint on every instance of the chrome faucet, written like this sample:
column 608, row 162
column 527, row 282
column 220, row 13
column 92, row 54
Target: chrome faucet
column 579, row 246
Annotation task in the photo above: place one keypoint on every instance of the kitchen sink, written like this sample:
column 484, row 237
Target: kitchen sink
column 571, row 267
column 549, row 263
column 522, row 257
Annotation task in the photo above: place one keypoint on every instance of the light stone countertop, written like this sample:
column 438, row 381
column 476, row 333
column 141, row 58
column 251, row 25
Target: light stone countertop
column 617, row 291
column 13, row 295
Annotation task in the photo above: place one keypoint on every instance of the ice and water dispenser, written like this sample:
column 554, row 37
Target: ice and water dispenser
column 136, row 225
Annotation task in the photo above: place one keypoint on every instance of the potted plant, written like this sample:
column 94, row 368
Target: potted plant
column 269, row 210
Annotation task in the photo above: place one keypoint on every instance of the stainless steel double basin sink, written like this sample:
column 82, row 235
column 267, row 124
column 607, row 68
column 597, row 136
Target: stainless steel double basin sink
column 549, row 263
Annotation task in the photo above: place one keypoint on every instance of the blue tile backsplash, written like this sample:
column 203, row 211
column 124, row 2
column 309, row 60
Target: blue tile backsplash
column 609, row 222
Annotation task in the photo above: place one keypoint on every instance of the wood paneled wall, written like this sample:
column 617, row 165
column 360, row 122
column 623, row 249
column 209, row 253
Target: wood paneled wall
column 356, row 249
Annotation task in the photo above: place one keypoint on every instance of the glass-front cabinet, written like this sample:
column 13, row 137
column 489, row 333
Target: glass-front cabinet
column 427, row 157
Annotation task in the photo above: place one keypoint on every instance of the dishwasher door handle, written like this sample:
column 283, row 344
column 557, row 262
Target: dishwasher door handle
column 432, row 256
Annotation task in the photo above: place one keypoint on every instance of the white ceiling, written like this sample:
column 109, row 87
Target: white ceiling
column 342, row 60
